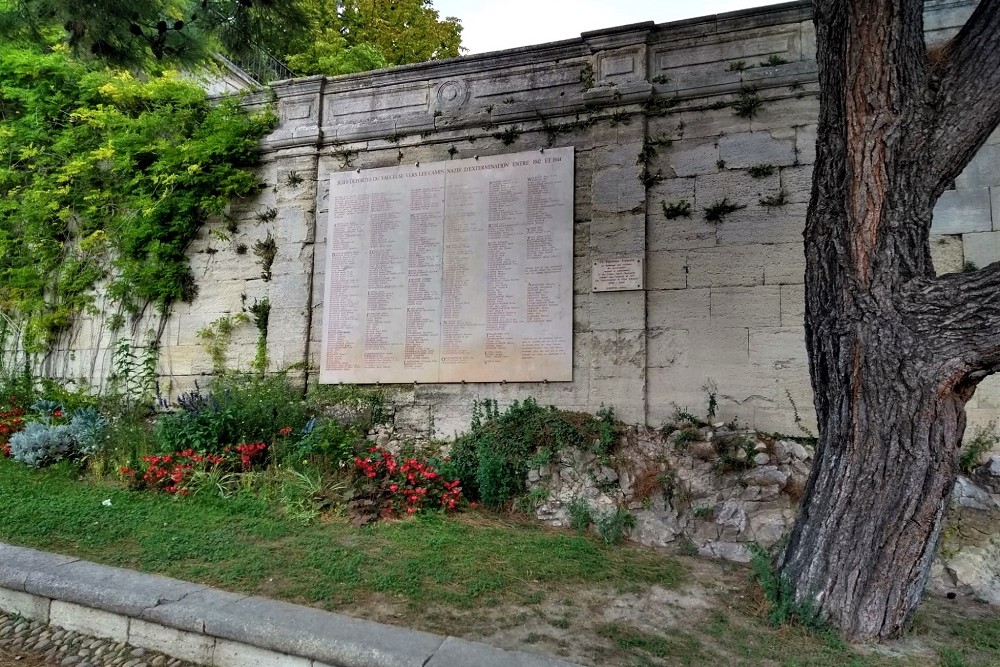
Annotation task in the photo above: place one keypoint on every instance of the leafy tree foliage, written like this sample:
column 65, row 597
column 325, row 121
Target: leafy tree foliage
column 315, row 36
column 107, row 178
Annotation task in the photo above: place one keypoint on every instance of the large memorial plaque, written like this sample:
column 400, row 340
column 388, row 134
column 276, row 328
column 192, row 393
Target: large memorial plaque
column 451, row 271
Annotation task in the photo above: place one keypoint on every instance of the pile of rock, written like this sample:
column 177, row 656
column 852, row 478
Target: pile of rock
column 968, row 559
column 716, row 489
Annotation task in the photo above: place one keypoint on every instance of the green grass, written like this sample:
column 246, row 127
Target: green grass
column 241, row 544
column 457, row 574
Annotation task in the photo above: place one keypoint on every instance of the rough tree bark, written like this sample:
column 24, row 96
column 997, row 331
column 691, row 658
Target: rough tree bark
column 895, row 351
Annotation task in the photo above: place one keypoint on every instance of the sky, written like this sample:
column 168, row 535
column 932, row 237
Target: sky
column 491, row 25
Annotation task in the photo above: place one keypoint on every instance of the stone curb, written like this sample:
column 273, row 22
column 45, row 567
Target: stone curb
column 213, row 627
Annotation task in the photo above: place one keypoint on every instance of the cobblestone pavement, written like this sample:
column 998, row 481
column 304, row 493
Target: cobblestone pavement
column 25, row 643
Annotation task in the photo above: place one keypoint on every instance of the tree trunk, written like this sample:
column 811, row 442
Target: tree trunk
column 895, row 352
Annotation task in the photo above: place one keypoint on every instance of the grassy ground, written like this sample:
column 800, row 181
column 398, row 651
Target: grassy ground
column 482, row 576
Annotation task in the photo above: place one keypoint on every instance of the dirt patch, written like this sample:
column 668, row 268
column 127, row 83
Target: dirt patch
column 8, row 659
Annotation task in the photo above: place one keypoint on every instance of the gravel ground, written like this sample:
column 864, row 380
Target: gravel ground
column 25, row 643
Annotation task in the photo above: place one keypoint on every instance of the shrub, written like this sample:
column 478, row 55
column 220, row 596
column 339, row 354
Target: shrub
column 45, row 442
column 237, row 408
column 984, row 439
column 492, row 460
column 613, row 525
column 580, row 516
column 319, row 439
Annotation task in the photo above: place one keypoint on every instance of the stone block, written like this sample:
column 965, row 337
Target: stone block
column 995, row 207
column 88, row 621
column 455, row 652
column 759, row 224
column 680, row 309
column 750, row 148
column 30, row 606
column 797, row 183
column 691, row 157
column 805, row 144
column 234, row 654
column 987, row 396
column 947, row 253
column 962, row 211
column 671, row 190
column 781, row 418
column 779, row 349
column 617, row 310
column 727, row 266
column 220, row 295
column 617, row 190
column 112, row 589
column 983, row 171
column 736, row 187
column 295, row 225
column 784, row 263
column 185, row 360
column 666, row 347
column 617, row 352
column 613, row 234
column 666, row 270
column 793, row 302
column 787, row 112
column 746, row 306
column 981, row 249
column 702, row 123
column 190, row 646
column 953, row 16
column 679, row 233
column 748, row 46
column 626, row 394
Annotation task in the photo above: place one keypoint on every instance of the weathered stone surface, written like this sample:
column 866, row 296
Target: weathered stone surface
column 981, row 249
column 962, row 211
column 967, row 494
column 750, row 148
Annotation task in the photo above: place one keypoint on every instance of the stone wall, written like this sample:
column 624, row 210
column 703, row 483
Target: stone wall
column 650, row 110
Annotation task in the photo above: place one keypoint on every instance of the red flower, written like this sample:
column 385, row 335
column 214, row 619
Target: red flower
column 285, row 431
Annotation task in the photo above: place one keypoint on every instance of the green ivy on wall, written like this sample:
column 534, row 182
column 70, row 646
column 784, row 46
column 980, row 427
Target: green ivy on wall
column 106, row 178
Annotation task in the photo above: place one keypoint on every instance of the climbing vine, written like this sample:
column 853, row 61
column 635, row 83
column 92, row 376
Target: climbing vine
column 106, row 179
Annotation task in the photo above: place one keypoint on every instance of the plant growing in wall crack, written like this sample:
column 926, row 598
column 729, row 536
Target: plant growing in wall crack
column 760, row 170
column 748, row 103
column 779, row 199
column 676, row 209
column 720, row 209
column 260, row 311
column 508, row 136
column 217, row 337
column 266, row 249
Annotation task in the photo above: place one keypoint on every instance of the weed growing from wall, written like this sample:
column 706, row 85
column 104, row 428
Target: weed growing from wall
column 217, row 337
column 748, row 103
column 266, row 250
column 260, row 312
column 718, row 210
column 772, row 201
column 760, row 170
column 676, row 209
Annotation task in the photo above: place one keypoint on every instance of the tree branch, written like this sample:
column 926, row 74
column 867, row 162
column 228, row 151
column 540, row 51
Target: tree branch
column 958, row 316
column 965, row 89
